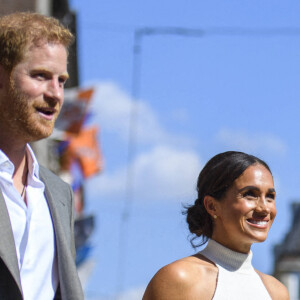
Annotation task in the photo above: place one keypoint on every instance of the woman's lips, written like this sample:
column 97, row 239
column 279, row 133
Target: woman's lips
column 258, row 223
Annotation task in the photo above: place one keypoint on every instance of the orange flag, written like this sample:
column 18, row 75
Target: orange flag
column 84, row 148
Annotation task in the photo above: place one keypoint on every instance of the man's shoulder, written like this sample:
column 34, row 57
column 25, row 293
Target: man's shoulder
column 58, row 188
column 45, row 172
column 49, row 176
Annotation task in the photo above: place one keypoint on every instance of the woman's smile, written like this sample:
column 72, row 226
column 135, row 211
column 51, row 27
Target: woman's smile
column 258, row 223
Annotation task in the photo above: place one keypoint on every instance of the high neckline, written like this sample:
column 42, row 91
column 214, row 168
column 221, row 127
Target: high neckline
column 228, row 259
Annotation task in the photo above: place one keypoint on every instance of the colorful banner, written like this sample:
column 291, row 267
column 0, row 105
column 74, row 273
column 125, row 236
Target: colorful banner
column 83, row 148
column 74, row 110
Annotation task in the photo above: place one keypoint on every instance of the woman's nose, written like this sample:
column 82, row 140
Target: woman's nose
column 262, row 205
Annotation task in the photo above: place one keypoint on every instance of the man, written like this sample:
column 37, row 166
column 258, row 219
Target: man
column 36, row 208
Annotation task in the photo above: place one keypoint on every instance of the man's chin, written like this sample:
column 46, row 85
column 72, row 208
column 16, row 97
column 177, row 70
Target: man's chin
column 38, row 134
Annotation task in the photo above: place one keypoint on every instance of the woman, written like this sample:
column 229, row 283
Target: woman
column 234, row 209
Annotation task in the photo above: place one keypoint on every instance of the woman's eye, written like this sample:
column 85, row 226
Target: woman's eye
column 271, row 196
column 249, row 194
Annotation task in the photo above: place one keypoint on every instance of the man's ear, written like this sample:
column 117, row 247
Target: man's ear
column 210, row 203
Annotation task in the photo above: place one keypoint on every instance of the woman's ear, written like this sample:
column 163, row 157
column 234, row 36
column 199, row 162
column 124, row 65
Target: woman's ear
column 210, row 204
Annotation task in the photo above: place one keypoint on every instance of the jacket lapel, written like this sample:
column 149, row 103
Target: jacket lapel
column 68, row 279
column 58, row 209
column 7, row 246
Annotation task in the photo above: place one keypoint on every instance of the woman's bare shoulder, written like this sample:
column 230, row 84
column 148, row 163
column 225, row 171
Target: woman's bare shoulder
column 187, row 278
column 275, row 288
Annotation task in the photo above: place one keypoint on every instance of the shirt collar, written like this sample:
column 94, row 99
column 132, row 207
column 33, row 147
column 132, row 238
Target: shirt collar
column 5, row 164
column 33, row 166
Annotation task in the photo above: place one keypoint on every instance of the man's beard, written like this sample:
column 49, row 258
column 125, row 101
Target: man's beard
column 20, row 114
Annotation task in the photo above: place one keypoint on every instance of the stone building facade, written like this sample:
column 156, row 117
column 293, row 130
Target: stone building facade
column 287, row 256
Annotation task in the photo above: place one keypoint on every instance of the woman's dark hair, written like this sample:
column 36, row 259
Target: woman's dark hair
column 214, row 180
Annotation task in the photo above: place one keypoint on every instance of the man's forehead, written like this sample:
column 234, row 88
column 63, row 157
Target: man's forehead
column 41, row 47
column 45, row 57
column 31, row 45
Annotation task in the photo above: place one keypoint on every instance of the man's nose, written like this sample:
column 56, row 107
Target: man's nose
column 55, row 91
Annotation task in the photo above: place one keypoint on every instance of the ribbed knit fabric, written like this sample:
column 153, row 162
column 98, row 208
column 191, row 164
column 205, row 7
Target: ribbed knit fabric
column 237, row 279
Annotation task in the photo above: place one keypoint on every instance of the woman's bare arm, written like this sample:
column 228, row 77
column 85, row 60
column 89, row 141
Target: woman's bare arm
column 275, row 288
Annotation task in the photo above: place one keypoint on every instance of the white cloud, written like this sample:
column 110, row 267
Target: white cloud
column 114, row 108
column 163, row 173
column 251, row 142
column 169, row 168
column 166, row 173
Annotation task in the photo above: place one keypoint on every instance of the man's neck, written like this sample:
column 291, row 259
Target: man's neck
column 15, row 154
column 12, row 145
column 18, row 157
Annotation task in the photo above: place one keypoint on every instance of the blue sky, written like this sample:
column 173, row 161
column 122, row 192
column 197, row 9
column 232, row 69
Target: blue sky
column 198, row 96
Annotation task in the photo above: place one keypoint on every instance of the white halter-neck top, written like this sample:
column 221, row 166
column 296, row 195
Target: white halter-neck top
column 237, row 279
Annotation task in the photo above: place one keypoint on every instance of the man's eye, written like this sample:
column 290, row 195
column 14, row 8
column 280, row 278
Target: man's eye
column 62, row 80
column 39, row 75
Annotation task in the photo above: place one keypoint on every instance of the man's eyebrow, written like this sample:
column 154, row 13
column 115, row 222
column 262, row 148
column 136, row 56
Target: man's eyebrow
column 36, row 70
column 66, row 75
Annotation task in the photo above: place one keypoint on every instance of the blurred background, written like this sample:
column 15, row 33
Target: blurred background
column 157, row 88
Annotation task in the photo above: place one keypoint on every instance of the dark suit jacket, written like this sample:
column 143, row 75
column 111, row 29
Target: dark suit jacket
column 60, row 201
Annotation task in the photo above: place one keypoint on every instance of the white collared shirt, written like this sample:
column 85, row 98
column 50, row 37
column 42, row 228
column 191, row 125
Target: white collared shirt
column 32, row 229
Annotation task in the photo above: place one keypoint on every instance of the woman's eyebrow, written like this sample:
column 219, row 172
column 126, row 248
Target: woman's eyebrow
column 271, row 190
column 249, row 187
